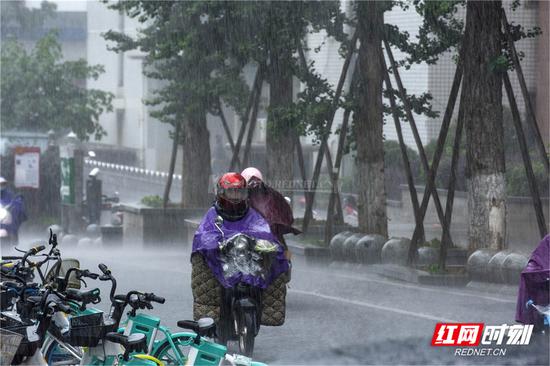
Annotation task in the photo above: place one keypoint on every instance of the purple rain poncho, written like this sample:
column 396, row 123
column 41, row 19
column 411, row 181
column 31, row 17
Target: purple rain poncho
column 207, row 237
column 534, row 283
column 15, row 205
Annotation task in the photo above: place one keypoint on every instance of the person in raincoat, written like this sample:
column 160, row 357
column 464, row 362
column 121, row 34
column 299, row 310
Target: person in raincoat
column 232, row 204
column 12, row 213
column 271, row 205
column 534, row 283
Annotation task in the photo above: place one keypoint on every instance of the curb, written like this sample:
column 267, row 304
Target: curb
column 405, row 274
column 312, row 254
column 397, row 272
column 493, row 287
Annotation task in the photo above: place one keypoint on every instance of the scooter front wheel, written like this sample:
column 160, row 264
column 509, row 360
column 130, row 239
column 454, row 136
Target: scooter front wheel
column 246, row 333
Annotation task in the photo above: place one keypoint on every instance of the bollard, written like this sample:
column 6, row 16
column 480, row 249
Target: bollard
column 336, row 244
column 477, row 265
column 396, row 251
column 428, row 256
column 368, row 249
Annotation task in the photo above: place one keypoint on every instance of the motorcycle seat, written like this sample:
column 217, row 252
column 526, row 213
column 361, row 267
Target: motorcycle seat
column 202, row 326
column 134, row 341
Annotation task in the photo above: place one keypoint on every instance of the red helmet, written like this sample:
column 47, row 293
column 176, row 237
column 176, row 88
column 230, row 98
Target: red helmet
column 232, row 196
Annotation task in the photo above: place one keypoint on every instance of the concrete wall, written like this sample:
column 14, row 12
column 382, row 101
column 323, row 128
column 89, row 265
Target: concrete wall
column 522, row 232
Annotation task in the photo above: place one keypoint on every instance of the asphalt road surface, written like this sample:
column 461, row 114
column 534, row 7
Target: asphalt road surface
column 335, row 316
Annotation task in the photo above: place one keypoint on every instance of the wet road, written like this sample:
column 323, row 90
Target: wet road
column 334, row 315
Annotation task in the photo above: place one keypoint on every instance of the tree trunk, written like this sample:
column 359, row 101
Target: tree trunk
column 196, row 162
column 369, row 123
column 280, row 130
column 481, row 101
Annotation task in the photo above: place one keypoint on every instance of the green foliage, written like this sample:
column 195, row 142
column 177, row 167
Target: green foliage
column 516, row 179
column 154, row 201
column 273, row 32
column 41, row 92
column 187, row 47
column 200, row 49
column 434, row 269
column 394, row 168
column 440, row 31
column 444, row 169
column 434, row 243
column 347, row 184
column 499, row 65
column 517, row 184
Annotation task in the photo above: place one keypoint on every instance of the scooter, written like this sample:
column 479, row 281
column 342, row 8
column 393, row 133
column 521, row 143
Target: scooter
column 241, row 307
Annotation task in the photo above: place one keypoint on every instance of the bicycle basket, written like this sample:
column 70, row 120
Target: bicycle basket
column 9, row 343
column 86, row 330
column 60, row 269
column 29, row 341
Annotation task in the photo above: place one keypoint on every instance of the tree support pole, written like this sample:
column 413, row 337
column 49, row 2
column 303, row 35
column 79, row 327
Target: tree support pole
column 252, row 128
column 526, row 158
column 450, row 194
column 226, row 128
column 430, row 181
column 255, row 89
column 297, row 142
column 339, row 156
column 403, row 147
column 532, row 121
column 333, row 178
column 323, row 147
column 416, row 135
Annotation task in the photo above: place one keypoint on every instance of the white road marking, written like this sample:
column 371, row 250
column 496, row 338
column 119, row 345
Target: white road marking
column 413, row 287
column 377, row 307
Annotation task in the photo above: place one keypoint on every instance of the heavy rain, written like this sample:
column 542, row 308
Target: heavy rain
column 329, row 182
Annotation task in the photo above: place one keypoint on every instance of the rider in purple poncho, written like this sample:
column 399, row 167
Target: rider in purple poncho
column 15, row 205
column 232, row 205
column 534, row 283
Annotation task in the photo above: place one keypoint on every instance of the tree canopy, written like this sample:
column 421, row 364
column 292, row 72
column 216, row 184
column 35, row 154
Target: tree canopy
column 186, row 46
column 41, row 92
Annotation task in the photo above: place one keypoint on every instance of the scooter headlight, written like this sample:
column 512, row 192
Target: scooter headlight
column 240, row 246
column 3, row 213
column 241, row 243
column 5, row 216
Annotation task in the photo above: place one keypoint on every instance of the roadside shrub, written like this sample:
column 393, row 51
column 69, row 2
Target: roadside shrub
column 154, row 201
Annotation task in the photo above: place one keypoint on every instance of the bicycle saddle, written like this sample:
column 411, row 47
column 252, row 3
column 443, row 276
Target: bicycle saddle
column 132, row 342
column 202, row 327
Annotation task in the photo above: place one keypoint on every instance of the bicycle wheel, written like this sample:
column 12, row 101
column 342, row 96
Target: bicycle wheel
column 168, row 355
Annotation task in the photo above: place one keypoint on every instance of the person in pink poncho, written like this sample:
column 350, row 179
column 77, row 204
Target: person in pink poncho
column 271, row 205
